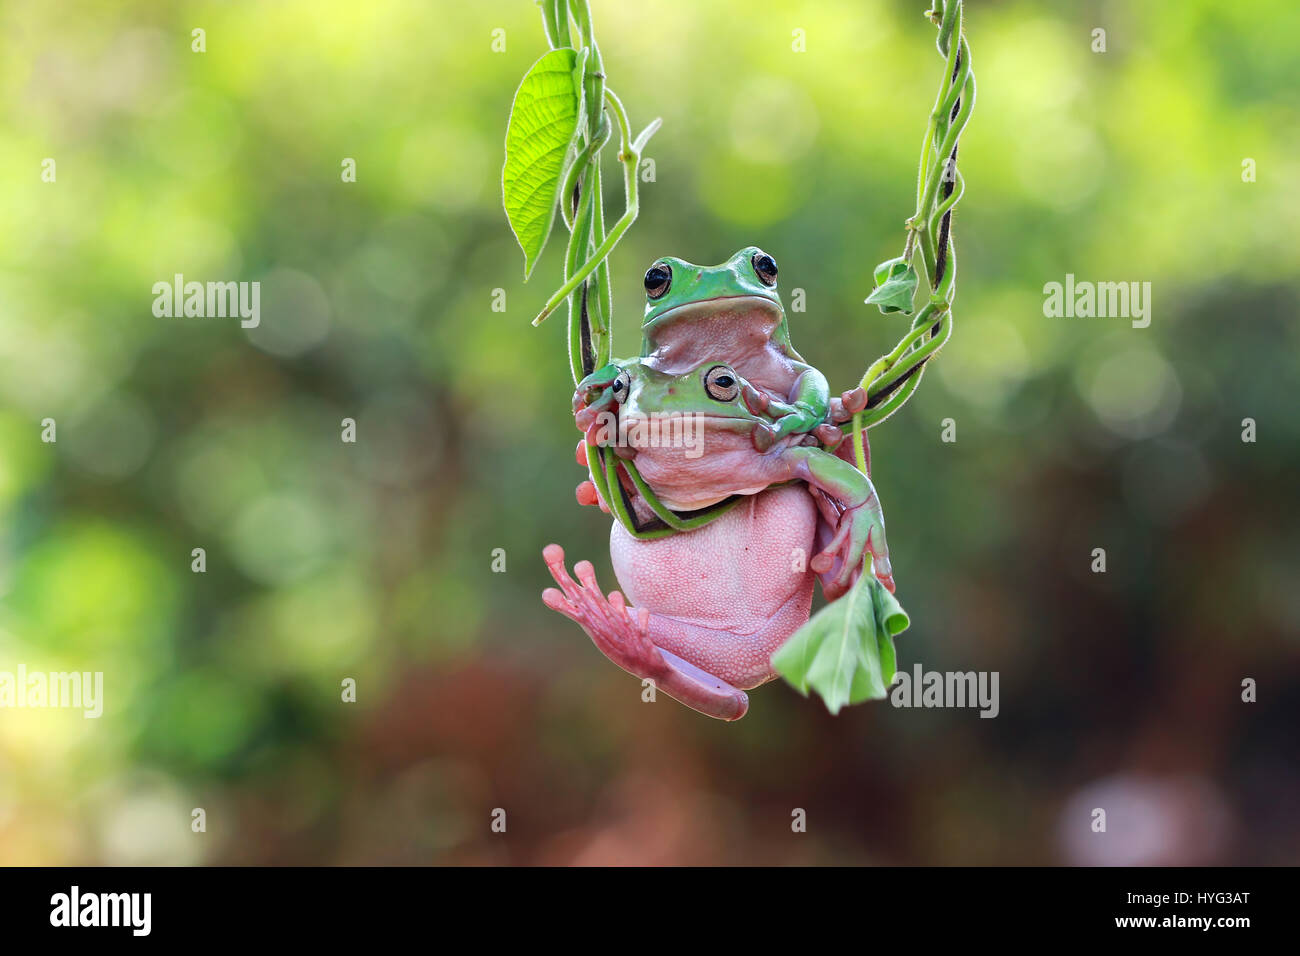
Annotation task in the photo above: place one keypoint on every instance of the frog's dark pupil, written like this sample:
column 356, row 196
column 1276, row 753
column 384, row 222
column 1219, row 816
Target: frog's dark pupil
column 724, row 381
column 765, row 267
column 657, row 280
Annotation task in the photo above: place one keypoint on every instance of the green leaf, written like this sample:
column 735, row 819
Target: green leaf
column 543, row 120
column 846, row 651
column 896, row 283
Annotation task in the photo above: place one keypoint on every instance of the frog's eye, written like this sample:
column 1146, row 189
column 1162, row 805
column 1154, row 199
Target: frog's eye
column 622, row 385
column 721, row 383
column 657, row 280
column 764, row 267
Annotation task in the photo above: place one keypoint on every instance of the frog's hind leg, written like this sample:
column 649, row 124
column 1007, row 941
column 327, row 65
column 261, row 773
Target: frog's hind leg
column 628, row 638
column 743, row 657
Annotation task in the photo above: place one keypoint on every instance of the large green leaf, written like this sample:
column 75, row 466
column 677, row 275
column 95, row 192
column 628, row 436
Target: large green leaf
column 846, row 651
column 543, row 120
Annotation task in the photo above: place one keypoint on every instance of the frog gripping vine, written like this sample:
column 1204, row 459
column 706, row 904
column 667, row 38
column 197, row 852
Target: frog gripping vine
column 719, row 535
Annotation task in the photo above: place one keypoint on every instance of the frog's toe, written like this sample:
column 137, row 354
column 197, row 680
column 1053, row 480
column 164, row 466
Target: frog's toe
column 578, row 601
column 833, row 587
column 880, row 559
column 843, row 531
column 566, row 597
column 586, row 493
column 849, row 544
column 556, row 601
column 829, row 436
column 590, row 415
column 848, row 405
column 635, row 625
column 553, row 555
column 796, row 420
column 755, row 400
column 586, row 573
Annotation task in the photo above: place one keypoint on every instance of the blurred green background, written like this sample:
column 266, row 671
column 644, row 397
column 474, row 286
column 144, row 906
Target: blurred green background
column 373, row 560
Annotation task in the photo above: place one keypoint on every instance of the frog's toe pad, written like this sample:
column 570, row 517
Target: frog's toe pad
column 821, row 563
column 829, row 436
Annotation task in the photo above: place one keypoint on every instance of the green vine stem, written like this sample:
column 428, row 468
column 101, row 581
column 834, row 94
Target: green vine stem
column 586, row 285
column 891, row 379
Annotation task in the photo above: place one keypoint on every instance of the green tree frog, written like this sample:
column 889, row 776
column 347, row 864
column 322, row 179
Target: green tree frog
column 731, row 312
column 712, row 605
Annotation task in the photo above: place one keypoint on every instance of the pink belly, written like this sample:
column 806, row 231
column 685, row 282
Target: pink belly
column 740, row 583
column 724, row 463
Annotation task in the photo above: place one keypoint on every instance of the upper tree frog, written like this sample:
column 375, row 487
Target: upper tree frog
column 731, row 312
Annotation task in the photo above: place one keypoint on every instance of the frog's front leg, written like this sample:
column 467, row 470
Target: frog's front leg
column 861, row 527
column 624, row 635
column 805, row 407
column 601, row 391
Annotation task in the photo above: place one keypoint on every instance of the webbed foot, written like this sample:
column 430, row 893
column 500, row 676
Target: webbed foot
column 621, row 635
column 861, row 529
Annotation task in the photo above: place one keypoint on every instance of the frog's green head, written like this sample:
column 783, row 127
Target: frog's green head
column 639, row 407
column 712, row 390
column 679, row 292
column 638, row 389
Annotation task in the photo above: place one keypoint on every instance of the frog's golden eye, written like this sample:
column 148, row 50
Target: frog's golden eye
column 721, row 383
column 764, row 267
column 622, row 385
column 657, row 280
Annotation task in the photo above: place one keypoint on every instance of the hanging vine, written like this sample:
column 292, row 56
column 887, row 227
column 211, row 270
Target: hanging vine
column 563, row 115
column 845, row 652
column 891, row 379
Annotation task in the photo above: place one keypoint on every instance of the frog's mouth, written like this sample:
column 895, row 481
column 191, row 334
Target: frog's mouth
column 766, row 310
column 738, row 423
column 689, row 431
